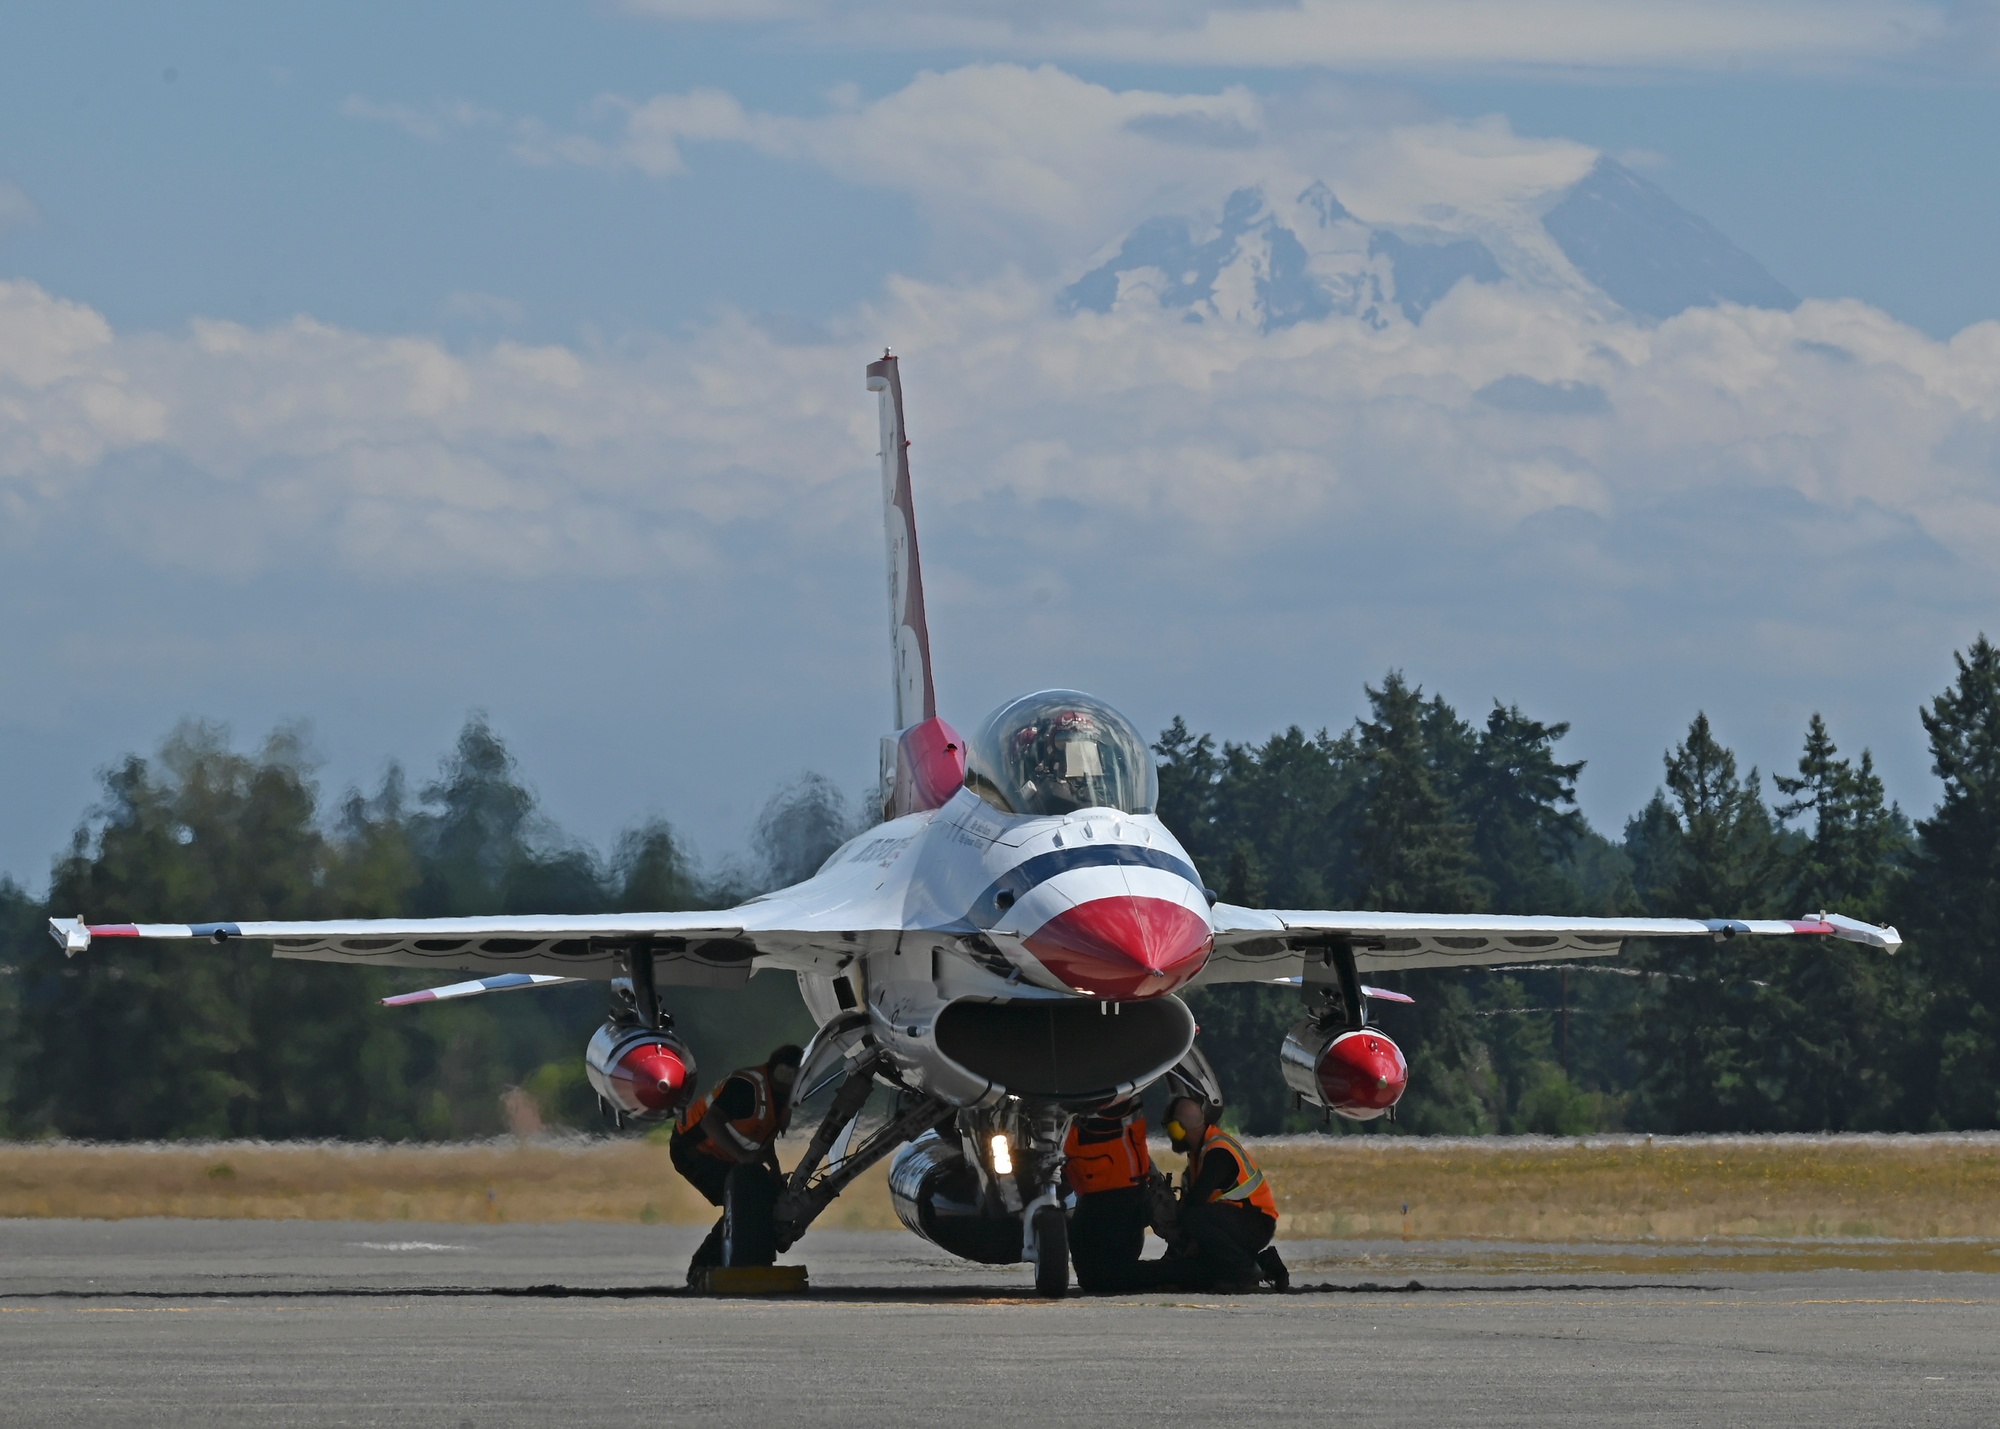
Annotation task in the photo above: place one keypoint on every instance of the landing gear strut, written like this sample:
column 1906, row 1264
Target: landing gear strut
column 1050, row 1232
column 811, row 1188
column 1038, row 1177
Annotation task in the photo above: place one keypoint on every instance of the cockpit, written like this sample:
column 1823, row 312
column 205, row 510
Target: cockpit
column 1058, row 751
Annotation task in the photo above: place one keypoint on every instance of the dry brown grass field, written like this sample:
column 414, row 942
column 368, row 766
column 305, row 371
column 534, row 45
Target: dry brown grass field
column 1678, row 1190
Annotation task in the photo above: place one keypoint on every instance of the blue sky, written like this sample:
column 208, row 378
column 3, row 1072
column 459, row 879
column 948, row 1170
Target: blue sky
column 374, row 364
column 241, row 190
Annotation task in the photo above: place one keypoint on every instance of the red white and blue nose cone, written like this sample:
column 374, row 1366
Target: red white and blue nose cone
column 1123, row 947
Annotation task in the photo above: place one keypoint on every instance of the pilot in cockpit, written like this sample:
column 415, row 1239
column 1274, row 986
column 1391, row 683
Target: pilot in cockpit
column 1061, row 764
column 1058, row 751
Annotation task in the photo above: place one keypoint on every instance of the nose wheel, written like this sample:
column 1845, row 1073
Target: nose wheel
column 1051, row 1252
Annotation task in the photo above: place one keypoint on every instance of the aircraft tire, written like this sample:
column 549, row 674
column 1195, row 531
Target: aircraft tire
column 1051, row 1252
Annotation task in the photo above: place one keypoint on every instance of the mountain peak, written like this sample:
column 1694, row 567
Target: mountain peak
column 1278, row 264
column 1285, row 293
column 1320, row 200
column 1649, row 254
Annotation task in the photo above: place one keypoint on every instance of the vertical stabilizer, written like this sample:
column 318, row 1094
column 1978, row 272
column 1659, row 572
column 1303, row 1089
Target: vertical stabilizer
column 909, row 633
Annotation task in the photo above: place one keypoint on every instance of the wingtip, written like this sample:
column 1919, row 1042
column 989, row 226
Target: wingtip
column 72, row 935
column 1853, row 930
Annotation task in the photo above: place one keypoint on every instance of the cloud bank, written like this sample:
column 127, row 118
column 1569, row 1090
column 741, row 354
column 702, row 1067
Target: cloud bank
column 1223, row 476
column 398, row 458
column 1385, row 35
column 1495, row 403
column 1035, row 166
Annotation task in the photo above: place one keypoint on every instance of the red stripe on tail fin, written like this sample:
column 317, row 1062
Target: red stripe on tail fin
column 909, row 632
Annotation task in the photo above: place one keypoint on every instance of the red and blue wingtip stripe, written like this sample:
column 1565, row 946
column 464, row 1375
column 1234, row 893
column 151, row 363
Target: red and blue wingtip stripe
column 217, row 931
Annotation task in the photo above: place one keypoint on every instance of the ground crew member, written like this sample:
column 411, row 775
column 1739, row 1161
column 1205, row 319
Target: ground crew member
column 1106, row 1163
column 1219, row 1231
column 725, row 1144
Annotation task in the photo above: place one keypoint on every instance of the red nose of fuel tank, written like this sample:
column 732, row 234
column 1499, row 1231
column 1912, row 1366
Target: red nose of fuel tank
column 1123, row 947
column 1363, row 1074
column 654, row 1073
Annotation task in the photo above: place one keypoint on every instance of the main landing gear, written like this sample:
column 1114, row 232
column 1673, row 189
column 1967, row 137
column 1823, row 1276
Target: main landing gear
column 844, row 1051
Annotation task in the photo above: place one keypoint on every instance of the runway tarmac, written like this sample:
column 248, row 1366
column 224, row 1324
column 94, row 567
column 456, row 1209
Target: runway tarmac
column 304, row 1322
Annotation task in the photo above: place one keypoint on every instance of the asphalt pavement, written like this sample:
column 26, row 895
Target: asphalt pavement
column 300, row 1322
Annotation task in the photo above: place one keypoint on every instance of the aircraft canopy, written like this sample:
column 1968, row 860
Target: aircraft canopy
column 1057, row 751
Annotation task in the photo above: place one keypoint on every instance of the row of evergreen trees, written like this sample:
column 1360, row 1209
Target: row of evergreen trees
column 208, row 1041
column 1412, row 808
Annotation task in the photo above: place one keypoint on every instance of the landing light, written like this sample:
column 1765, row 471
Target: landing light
column 1003, row 1157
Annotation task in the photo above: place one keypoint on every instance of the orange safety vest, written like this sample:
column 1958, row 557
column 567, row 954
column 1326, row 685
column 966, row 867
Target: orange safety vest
column 748, row 1135
column 1112, row 1157
column 1250, row 1189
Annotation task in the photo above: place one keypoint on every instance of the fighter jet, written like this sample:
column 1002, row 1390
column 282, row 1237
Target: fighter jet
column 1003, row 951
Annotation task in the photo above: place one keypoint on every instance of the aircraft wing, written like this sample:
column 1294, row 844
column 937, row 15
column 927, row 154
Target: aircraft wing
column 1262, row 945
column 714, row 949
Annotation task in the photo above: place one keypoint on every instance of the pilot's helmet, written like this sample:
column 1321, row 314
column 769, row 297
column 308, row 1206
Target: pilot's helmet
column 1072, row 723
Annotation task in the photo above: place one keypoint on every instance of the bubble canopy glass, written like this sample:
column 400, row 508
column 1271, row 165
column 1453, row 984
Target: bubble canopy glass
column 1057, row 751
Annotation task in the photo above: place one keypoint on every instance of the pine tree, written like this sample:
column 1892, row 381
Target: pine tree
column 1704, row 1030
column 800, row 826
column 1521, row 803
column 1189, row 771
column 1842, row 1006
column 1953, row 904
column 1415, row 852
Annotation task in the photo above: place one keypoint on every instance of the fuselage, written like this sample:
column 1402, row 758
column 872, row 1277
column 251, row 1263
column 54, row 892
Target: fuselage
column 1092, row 911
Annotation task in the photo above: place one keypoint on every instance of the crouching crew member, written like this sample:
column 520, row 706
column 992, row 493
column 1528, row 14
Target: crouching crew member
column 1219, row 1232
column 1106, row 1163
column 725, row 1144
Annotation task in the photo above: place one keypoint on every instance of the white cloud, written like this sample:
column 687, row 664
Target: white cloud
column 394, row 455
column 491, row 308
column 1408, row 35
column 391, row 456
column 1039, row 166
column 430, row 122
column 17, row 210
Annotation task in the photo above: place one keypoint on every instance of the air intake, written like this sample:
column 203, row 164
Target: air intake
column 1066, row 1049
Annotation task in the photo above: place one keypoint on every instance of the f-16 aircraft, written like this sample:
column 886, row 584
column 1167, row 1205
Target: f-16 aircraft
column 1002, row 952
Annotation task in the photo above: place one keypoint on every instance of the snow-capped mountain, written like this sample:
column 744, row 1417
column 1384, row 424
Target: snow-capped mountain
column 1611, row 240
column 1650, row 255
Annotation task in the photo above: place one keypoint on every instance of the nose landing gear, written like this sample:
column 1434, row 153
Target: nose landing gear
column 1044, row 1221
column 1048, row 1231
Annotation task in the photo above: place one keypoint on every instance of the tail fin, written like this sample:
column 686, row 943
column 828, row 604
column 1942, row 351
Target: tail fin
column 909, row 632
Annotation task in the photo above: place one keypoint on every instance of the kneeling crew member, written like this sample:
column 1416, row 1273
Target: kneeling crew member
column 1223, row 1224
column 725, row 1144
column 1106, row 1162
